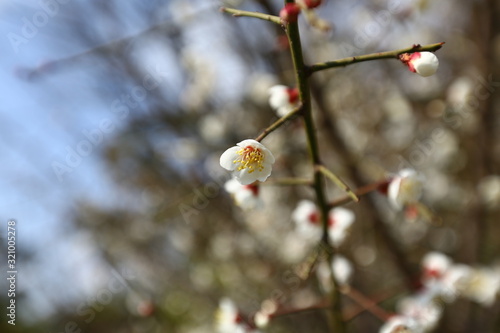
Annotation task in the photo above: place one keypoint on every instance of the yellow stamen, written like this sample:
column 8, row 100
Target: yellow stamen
column 251, row 159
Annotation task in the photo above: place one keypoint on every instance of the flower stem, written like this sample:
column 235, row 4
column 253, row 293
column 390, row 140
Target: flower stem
column 278, row 124
column 339, row 182
column 358, row 192
column 365, row 302
column 373, row 56
column 238, row 13
column 301, row 75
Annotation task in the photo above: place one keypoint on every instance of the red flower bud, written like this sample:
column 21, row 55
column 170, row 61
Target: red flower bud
column 313, row 3
column 290, row 12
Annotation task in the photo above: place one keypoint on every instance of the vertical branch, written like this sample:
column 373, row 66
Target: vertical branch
column 356, row 176
column 301, row 74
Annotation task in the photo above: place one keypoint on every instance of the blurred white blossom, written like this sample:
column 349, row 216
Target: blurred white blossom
column 307, row 220
column 342, row 269
column 483, row 285
column 405, row 188
column 489, row 191
column 400, row 324
column 245, row 196
column 283, row 99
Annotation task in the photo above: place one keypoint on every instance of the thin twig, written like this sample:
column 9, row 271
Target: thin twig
column 278, row 124
column 365, row 302
column 287, row 182
column 373, row 56
column 337, row 181
column 286, row 312
column 358, row 192
column 238, row 13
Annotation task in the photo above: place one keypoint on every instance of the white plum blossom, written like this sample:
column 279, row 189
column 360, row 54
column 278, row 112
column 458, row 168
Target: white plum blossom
column 435, row 265
column 249, row 161
column 227, row 318
column 263, row 316
column 400, row 324
column 422, row 63
column 307, row 220
column 245, row 196
column 339, row 222
column 423, row 309
column 405, row 188
column 453, row 283
column 342, row 269
column 483, row 286
column 441, row 277
column 283, row 99
column 261, row 319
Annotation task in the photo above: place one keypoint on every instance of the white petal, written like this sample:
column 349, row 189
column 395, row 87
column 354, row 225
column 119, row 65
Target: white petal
column 392, row 193
column 427, row 64
column 268, row 156
column 278, row 96
column 265, row 173
column 342, row 268
column 232, row 186
column 406, row 188
column 250, row 142
column 244, row 177
column 343, row 217
column 227, row 158
column 302, row 212
column 436, row 261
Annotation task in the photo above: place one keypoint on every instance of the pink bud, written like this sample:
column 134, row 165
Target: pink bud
column 293, row 95
column 422, row 63
column 290, row 12
column 313, row 3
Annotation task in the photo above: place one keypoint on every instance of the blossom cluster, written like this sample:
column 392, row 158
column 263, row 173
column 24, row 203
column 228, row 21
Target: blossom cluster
column 442, row 281
column 308, row 224
column 230, row 320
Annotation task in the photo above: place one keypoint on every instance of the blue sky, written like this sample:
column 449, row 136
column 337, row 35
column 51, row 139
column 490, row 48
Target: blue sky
column 44, row 117
column 39, row 119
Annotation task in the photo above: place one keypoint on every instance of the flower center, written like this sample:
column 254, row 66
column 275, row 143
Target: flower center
column 293, row 95
column 432, row 273
column 250, row 158
column 254, row 188
column 313, row 218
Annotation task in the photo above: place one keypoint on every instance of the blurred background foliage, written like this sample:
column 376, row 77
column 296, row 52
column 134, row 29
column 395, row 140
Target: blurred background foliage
column 177, row 82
